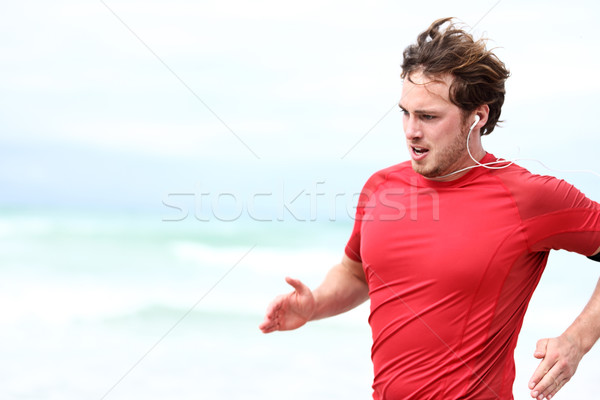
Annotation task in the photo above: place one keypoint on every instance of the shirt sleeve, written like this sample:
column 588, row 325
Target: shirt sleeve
column 559, row 216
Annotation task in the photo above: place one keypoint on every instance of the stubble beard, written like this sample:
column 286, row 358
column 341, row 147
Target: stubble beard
column 445, row 160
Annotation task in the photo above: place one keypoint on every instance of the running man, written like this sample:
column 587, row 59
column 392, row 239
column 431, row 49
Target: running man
column 449, row 246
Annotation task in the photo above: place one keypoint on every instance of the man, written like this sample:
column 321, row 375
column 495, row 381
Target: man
column 450, row 245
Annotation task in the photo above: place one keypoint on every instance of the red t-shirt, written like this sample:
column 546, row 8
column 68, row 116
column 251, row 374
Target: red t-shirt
column 451, row 267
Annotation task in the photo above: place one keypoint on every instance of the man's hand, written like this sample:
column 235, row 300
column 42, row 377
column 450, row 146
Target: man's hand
column 560, row 357
column 289, row 311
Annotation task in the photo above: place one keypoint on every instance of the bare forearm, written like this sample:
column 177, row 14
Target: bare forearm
column 586, row 327
column 343, row 289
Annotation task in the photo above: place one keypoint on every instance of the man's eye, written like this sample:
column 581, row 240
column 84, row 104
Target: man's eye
column 427, row 117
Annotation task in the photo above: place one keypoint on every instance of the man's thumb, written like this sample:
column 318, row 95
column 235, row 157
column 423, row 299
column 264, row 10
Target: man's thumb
column 540, row 348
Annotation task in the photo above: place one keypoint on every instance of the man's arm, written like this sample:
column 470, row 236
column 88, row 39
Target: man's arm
column 561, row 356
column 344, row 288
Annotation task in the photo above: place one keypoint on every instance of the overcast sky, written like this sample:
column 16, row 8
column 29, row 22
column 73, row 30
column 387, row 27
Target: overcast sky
column 122, row 102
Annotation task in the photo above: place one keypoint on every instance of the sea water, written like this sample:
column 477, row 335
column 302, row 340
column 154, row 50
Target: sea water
column 113, row 305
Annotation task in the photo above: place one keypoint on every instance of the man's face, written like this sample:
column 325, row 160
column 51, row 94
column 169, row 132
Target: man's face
column 436, row 134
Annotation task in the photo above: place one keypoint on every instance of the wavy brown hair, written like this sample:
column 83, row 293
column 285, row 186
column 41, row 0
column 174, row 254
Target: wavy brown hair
column 478, row 73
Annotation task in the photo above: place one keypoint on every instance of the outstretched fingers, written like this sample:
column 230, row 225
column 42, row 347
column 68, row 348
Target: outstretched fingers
column 270, row 322
column 550, row 384
column 287, row 311
column 559, row 362
column 543, row 380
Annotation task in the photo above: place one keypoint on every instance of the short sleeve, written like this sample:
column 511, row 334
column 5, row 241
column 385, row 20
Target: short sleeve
column 559, row 216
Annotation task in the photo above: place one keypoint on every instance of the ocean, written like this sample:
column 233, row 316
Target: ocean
column 117, row 305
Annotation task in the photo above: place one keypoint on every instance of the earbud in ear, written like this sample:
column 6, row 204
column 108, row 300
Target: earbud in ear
column 476, row 121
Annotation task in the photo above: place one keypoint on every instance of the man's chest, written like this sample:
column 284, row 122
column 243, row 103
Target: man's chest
column 425, row 232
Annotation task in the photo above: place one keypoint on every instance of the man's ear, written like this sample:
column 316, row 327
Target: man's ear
column 483, row 112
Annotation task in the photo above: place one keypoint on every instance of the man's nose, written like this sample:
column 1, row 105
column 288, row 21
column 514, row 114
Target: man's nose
column 412, row 128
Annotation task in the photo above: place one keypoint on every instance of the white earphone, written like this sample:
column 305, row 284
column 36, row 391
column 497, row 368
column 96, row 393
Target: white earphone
column 486, row 165
column 504, row 163
column 477, row 163
column 476, row 121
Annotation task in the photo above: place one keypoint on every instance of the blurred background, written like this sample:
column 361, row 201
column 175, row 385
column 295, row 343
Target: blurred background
column 164, row 165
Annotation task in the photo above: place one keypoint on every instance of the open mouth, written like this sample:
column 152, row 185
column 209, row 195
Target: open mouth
column 420, row 151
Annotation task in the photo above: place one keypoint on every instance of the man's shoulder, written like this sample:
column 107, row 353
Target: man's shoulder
column 516, row 176
column 537, row 194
